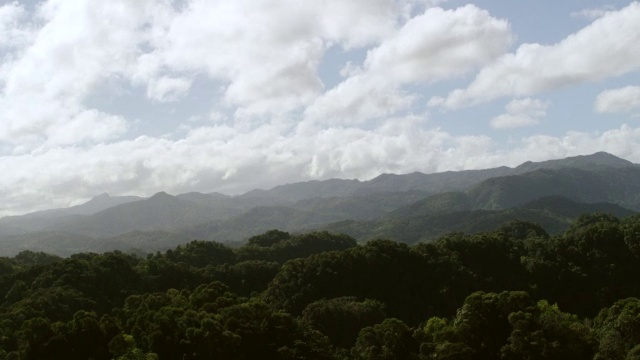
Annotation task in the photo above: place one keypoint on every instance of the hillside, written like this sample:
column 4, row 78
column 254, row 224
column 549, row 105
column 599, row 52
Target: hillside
column 421, row 222
column 46, row 219
column 609, row 184
column 594, row 161
column 159, row 212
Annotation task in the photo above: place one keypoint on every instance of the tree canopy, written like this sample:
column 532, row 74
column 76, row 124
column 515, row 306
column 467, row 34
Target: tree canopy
column 515, row 293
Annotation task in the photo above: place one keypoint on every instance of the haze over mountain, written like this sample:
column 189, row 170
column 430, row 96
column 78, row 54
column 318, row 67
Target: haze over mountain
column 411, row 207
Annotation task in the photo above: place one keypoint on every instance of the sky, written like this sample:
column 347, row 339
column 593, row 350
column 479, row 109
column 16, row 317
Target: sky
column 133, row 97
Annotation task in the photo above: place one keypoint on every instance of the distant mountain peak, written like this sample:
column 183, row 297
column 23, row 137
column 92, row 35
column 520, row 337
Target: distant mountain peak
column 597, row 159
column 161, row 195
column 605, row 157
column 101, row 202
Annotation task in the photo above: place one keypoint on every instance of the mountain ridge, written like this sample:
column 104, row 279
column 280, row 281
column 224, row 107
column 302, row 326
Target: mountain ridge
column 409, row 181
column 475, row 196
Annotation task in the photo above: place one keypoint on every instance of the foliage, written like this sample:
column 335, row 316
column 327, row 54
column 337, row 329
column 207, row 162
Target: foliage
column 341, row 319
column 514, row 293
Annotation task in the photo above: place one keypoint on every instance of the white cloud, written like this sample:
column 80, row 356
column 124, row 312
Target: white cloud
column 13, row 30
column 440, row 44
column 14, row 34
column 436, row 45
column 622, row 100
column 521, row 112
column 605, row 48
column 266, row 53
column 80, row 43
column 358, row 99
column 30, row 121
column 73, row 46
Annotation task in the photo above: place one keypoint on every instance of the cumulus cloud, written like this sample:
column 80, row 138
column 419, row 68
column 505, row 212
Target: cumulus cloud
column 605, row 48
column 521, row 112
column 357, row 99
column 77, row 45
column 622, row 100
column 31, row 121
column 265, row 56
column 440, row 44
column 80, row 43
column 14, row 33
column 436, row 45
column 266, row 53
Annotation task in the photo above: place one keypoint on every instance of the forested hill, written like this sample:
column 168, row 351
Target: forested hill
column 513, row 293
column 420, row 222
column 409, row 208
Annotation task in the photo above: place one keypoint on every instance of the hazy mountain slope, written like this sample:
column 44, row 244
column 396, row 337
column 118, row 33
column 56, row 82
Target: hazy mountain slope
column 427, row 183
column 66, row 244
column 51, row 242
column 144, row 241
column 17, row 225
column 230, row 205
column 608, row 184
column 429, row 227
column 220, row 206
column 100, row 203
column 572, row 210
column 160, row 212
column 358, row 207
column 47, row 219
column 432, row 183
column 420, row 221
column 553, row 214
column 256, row 221
column 594, row 161
column 305, row 190
column 303, row 214
column 439, row 203
column 96, row 204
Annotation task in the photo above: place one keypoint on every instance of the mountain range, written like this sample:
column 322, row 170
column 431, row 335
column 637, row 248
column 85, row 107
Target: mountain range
column 411, row 208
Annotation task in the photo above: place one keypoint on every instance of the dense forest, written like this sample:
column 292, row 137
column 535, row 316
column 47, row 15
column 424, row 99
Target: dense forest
column 513, row 293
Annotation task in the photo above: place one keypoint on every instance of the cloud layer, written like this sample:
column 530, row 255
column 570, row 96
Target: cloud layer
column 267, row 114
column 605, row 48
